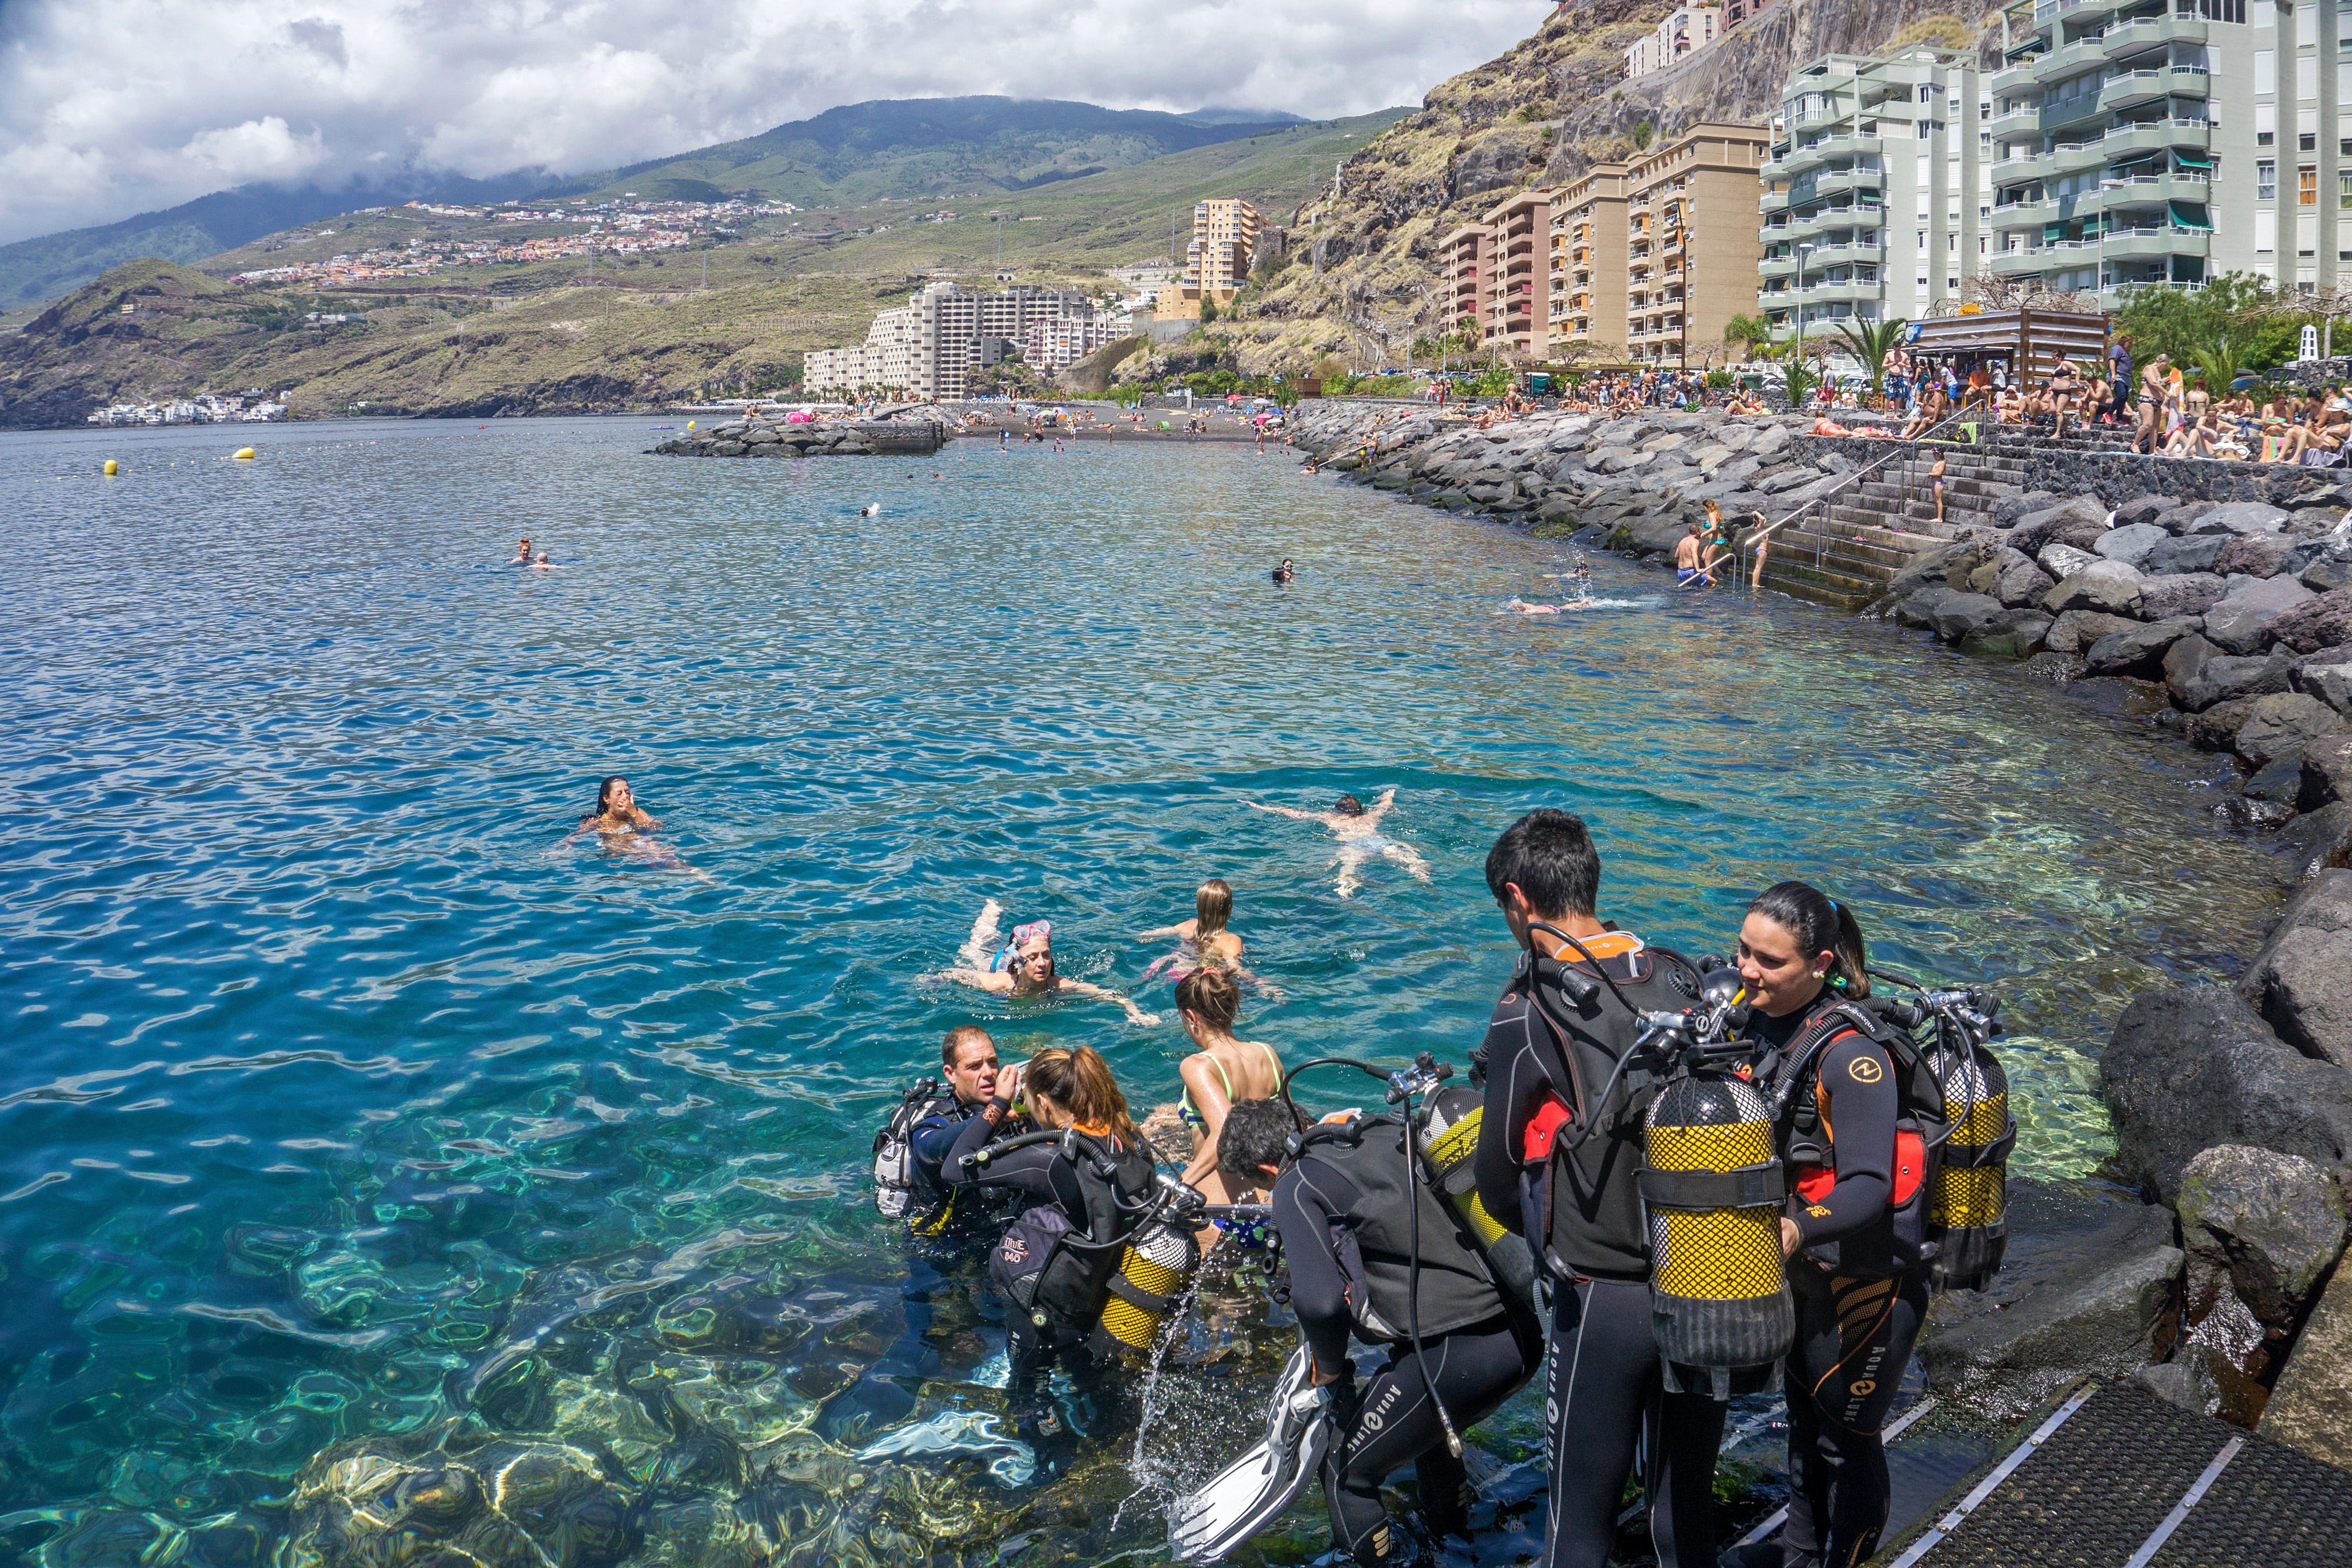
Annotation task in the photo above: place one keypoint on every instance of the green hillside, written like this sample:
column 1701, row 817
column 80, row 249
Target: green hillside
column 510, row 337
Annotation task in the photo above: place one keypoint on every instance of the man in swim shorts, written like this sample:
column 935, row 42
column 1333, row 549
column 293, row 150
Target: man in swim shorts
column 1688, row 571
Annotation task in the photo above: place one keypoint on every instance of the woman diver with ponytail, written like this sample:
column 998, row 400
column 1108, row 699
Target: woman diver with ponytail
column 1851, row 1228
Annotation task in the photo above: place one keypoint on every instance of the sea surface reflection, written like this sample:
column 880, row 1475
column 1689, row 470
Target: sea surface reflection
column 384, row 1179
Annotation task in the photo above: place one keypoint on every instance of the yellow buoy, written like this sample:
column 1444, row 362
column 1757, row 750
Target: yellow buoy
column 244, row 453
column 689, row 424
column 110, row 468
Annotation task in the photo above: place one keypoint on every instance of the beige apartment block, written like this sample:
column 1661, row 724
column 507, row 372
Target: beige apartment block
column 1587, row 266
column 1691, row 244
column 1519, row 291
column 1468, row 272
column 1224, row 237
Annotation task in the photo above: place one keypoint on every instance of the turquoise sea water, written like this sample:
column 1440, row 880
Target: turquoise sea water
column 345, row 1104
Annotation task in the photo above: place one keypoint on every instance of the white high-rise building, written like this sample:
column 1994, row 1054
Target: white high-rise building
column 2115, row 124
column 1875, row 191
column 926, row 348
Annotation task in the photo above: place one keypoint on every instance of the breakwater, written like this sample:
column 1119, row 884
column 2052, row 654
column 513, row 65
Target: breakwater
column 916, row 432
column 2215, row 601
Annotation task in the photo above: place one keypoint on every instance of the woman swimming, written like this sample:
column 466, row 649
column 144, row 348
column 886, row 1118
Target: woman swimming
column 1024, row 966
column 1221, row 1069
column 1205, row 941
column 1358, row 830
column 624, row 825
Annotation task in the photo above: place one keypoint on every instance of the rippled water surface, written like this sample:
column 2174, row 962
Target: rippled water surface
column 346, row 1105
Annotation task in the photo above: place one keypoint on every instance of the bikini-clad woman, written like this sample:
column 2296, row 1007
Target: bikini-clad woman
column 1222, row 1069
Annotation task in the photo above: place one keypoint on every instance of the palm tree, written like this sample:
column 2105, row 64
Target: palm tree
column 1748, row 332
column 1801, row 381
column 2217, row 361
column 1871, row 344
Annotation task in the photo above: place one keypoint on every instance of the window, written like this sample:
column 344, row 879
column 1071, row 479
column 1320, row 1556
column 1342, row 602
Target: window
column 2344, row 191
column 2306, row 22
column 2223, row 10
column 1922, row 241
column 2306, row 187
column 2265, row 71
column 2266, row 179
column 2265, row 124
column 2307, row 142
column 2306, row 78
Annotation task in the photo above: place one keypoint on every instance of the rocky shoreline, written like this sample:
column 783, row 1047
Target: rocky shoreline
column 915, row 432
column 2204, row 1261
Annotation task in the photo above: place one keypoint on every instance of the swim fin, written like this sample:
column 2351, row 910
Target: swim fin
column 1233, row 1505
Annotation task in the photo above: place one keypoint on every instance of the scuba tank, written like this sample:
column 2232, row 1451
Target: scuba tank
column 894, row 1149
column 1449, row 1146
column 1158, row 1260
column 1719, row 1303
column 1967, row 1192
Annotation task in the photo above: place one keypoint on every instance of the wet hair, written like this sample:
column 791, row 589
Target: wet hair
column 1211, row 992
column 960, row 1036
column 1080, row 1083
column 1550, row 854
column 1213, row 905
column 1348, row 806
column 605, row 792
column 1257, row 1133
column 1821, row 924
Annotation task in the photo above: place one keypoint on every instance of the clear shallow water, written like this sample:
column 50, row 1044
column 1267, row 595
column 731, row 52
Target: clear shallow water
column 344, row 1102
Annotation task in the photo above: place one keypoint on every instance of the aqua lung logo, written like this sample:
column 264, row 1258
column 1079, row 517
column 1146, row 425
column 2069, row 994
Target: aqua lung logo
column 1378, row 1416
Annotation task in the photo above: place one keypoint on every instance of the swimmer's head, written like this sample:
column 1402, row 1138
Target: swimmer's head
column 969, row 1059
column 614, row 796
column 1032, row 961
column 1209, row 996
column 1348, row 806
column 541, row 560
column 1213, row 905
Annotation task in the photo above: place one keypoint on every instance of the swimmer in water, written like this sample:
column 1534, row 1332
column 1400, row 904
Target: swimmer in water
column 1024, row 966
column 1358, row 830
column 541, row 563
column 1206, row 941
column 625, row 826
column 522, row 552
column 1518, row 606
column 1286, row 574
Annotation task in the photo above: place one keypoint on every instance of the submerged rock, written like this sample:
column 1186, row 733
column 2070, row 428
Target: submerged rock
column 2301, row 980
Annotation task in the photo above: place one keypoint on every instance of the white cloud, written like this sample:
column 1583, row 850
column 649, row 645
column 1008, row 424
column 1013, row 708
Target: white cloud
column 113, row 106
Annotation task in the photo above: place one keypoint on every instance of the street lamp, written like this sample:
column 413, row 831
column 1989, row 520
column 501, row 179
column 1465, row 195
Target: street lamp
column 1802, row 247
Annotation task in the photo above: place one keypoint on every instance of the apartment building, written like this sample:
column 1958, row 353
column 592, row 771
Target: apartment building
column 1684, row 31
column 1468, row 271
column 926, row 348
column 1587, row 265
column 1877, row 190
column 2110, row 153
column 1690, row 247
column 1225, row 239
column 1497, row 274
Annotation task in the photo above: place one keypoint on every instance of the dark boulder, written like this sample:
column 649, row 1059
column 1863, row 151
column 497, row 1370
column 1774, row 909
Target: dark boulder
column 2255, row 555
column 2301, row 980
column 2326, row 575
column 2139, row 652
column 2079, row 629
column 2327, row 776
column 2272, row 1224
column 2240, row 622
column 2130, row 545
column 2011, row 634
column 2196, row 553
column 1918, row 608
column 1960, row 614
column 2317, row 842
column 2010, row 509
column 2078, row 522
column 2243, row 518
column 2017, row 583
column 2190, row 1067
column 2142, row 509
column 2279, row 781
column 2215, row 729
column 2183, row 517
column 2199, row 675
column 2310, row 1406
column 2110, row 587
column 2283, row 722
column 2311, row 623
column 2310, row 522
column 2184, row 593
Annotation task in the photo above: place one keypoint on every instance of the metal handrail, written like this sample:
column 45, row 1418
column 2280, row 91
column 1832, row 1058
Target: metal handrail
column 1907, row 449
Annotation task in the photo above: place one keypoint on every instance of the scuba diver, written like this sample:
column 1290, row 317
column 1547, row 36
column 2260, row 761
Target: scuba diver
column 1853, row 1226
column 1380, row 1249
column 912, row 1148
column 1068, row 1265
column 1560, row 1157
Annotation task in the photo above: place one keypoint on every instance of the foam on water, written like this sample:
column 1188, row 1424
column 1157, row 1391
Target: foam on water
column 347, row 1115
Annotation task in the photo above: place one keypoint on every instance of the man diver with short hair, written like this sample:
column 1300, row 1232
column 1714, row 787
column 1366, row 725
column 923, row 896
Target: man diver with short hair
column 969, row 1064
column 1559, row 1152
column 1342, row 1201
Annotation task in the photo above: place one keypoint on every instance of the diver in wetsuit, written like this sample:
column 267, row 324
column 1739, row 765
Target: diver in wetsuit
column 968, row 1063
column 1561, row 1158
column 1343, row 1205
column 1085, row 1189
column 1853, row 1229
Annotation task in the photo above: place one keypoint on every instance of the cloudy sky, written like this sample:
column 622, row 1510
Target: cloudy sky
column 110, row 107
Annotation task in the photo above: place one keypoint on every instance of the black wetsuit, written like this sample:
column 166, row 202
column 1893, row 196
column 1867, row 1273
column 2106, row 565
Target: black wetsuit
column 953, row 1215
column 1472, row 1351
column 1604, row 1391
column 1860, row 1298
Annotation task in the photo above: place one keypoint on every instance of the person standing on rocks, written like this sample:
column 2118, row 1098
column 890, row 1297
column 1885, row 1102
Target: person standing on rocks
column 1852, row 1232
column 2155, row 387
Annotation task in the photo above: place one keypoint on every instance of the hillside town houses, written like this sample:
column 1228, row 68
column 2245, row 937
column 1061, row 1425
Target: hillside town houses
column 928, row 349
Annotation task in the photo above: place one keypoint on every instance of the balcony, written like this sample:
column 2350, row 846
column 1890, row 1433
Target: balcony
column 1846, row 293
column 2071, row 112
column 1775, row 266
column 2123, row 39
column 2155, row 135
column 2020, row 215
column 1839, row 183
column 2017, row 117
column 1772, row 202
column 2075, row 57
column 2156, row 240
column 1844, row 144
column 2073, row 157
column 2138, row 190
column 2018, row 263
column 2015, row 78
column 1816, row 223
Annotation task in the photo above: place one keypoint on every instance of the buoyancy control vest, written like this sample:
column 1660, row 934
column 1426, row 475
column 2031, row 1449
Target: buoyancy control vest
column 1375, row 1239
column 900, row 1189
column 1583, row 1156
column 1900, row 1241
column 1062, row 1279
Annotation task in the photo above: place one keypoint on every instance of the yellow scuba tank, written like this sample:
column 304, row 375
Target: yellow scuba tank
column 1151, row 1272
column 1967, row 1192
column 1719, row 1301
column 1449, row 1145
